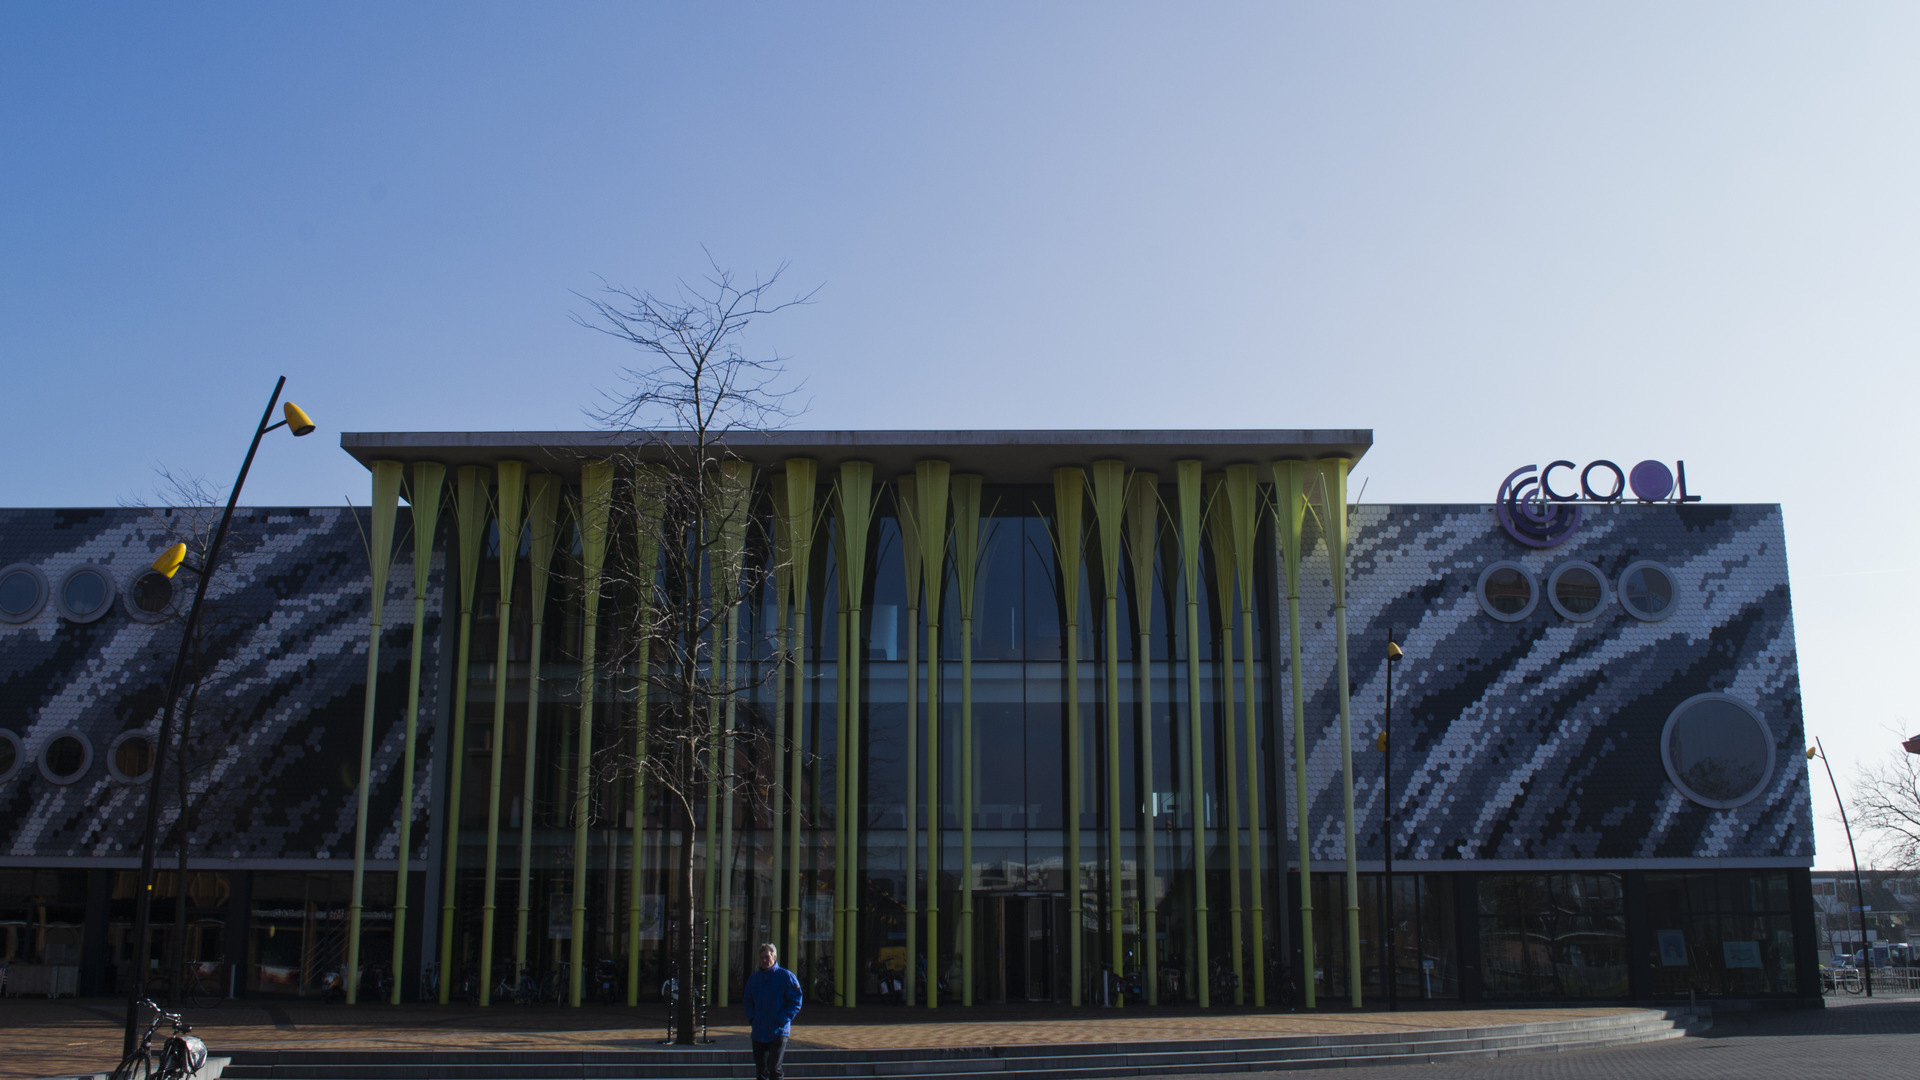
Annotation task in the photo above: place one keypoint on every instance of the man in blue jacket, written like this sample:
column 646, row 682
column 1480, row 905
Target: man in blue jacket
column 773, row 1000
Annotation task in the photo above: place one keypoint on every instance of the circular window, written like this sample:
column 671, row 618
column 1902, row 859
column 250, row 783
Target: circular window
column 1717, row 750
column 1647, row 591
column 150, row 596
column 130, row 758
column 66, row 757
column 23, row 590
column 1507, row 591
column 84, row 594
column 11, row 754
column 1577, row 591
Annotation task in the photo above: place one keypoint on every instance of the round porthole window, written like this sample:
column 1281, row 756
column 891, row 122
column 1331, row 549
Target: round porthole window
column 23, row 591
column 150, row 596
column 130, row 758
column 1717, row 750
column 1507, row 591
column 66, row 758
column 1577, row 590
column 11, row 754
column 84, row 594
column 1647, row 591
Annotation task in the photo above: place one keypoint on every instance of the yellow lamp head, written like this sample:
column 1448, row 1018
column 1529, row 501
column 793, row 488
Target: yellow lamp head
column 1812, row 752
column 1393, row 651
column 297, row 420
column 169, row 561
column 1380, row 742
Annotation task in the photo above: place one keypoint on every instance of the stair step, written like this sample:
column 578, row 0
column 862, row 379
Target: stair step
column 1021, row 1062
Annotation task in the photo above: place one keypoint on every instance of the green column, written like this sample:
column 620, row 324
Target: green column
column 1243, row 516
column 736, row 494
column 511, row 476
column 428, row 479
column 933, row 479
column 596, row 498
column 1191, row 495
column 857, row 500
column 470, row 518
column 1109, row 487
column 1143, row 532
column 386, row 499
column 969, row 544
column 1069, row 494
column 905, row 512
column 1220, row 537
column 1333, row 481
column 543, row 512
column 1290, row 487
column 647, row 524
column 802, row 479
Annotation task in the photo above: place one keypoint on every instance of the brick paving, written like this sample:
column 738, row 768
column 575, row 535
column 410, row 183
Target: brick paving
column 52, row 1038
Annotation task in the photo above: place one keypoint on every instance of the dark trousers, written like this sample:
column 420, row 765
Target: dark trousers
column 767, row 1057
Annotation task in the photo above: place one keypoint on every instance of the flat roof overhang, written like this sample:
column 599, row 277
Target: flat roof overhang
column 1002, row 456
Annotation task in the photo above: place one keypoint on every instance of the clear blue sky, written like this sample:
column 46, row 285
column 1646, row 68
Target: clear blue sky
column 1495, row 234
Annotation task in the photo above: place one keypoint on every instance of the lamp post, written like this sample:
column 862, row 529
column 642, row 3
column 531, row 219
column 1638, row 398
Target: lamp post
column 1389, row 970
column 170, row 563
column 1859, row 892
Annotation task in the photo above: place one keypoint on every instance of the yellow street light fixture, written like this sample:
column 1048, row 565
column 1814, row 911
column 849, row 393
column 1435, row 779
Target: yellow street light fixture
column 171, row 560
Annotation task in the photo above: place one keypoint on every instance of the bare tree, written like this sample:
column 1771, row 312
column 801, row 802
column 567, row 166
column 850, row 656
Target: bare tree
column 1886, row 802
column 703, row 546
column 187, row 510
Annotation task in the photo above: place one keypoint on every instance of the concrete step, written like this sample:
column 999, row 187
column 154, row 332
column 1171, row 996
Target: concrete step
column 1024, row 1062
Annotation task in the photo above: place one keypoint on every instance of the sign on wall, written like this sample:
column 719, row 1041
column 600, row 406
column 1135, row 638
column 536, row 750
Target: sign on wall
column 1539, row 514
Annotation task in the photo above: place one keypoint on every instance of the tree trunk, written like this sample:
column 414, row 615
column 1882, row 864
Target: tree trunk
column 689, row 976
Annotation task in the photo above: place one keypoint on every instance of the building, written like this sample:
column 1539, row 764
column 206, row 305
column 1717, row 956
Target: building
column 1596, row 786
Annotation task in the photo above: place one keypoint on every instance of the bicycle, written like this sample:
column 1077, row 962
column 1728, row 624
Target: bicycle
column 430, row 981
column 376, row 982
column 179, row 1058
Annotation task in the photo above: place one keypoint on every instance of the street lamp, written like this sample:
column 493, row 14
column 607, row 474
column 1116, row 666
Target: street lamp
column 1389, row 970
column 1911, row 746
column 169, row 563
column 1859, row 892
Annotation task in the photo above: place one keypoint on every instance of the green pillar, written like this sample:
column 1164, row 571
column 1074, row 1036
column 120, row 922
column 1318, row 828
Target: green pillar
column 1191, row 495
column 1143, row 533
column 1069, row 494
column 905, row 511
column 386, row 499
column 470, row 518
column 428, row 479
column 933, row 479
column 511, row 477
column 1333, row 481
column 1220, row 536
column 1243, row 518
column 647, row 524
column 857, row 500
column 802, row 480
column 969, row 544
column 596, row 498
column 736, row 495
column 543, row 512
column 1290, row 486
column 1109, row 487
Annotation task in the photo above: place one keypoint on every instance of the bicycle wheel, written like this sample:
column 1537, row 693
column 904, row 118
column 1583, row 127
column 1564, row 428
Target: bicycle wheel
column 135, row 1066
column 1853, row 983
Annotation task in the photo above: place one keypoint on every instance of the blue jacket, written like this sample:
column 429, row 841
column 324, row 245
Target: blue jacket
column 773, row 1000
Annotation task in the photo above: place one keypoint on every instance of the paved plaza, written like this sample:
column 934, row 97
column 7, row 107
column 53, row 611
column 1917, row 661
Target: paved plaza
column 1853, row 1039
